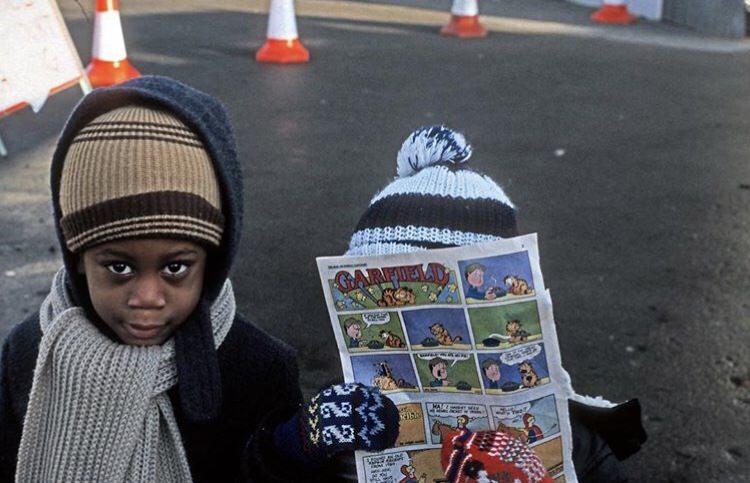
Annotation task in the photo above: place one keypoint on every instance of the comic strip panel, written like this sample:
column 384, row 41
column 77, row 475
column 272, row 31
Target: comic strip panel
column 388, row 372
column 497, row 278
column 411, row 425
column 514, row 370
column 551, row 454
column 447, row 372
column 420, row 466
column 446, row 418
column 437, row 328
column 403, row 286
column 531, row 421
column 372, row 331
column 504, row 326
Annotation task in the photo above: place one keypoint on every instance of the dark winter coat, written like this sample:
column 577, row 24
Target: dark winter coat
column 260, row 388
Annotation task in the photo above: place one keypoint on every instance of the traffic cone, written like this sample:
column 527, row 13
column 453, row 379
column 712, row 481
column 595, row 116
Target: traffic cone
column 109, row 61
column 464, row 21
column 613, row 12
column 282, row 44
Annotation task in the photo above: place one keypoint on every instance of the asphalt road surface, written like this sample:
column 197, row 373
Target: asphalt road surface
column 625, row 149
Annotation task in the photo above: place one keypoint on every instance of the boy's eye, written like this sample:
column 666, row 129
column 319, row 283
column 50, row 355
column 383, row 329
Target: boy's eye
column 119, row 268
column 175, row 268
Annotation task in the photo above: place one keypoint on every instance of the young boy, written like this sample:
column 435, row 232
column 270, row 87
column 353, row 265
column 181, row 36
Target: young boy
column 137, row 367
column 437, row 201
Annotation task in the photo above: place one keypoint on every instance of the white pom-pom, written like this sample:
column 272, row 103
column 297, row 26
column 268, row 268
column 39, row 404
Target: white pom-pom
column 431, row 145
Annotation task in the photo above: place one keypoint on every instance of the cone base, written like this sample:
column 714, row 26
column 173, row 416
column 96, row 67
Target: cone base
column 277, row 51
column 464, row 27
column 102, row 73
column 613, row 14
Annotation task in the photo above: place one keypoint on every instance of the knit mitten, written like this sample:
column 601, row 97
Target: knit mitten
column 343, row 417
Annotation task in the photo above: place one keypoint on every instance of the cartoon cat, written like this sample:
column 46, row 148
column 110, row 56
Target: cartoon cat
column 529, row 377
column 397, row 297
column 391, row 339
column 516, row 331
column 517, row 286
column 442, row 335
column 386, row 381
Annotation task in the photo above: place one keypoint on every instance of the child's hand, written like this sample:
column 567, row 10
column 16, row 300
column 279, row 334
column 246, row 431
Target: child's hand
column 343, row 417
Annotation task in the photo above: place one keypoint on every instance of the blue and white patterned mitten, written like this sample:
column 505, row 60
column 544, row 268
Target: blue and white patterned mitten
column 339, row 418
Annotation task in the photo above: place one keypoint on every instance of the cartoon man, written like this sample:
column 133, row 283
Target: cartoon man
column 533, row 431
column 474, row 274
column 439, row 369
column 353, row 329
column 462, row 421
column 492, row 371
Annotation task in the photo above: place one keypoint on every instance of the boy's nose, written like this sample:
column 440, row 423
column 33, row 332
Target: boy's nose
column 147, row 293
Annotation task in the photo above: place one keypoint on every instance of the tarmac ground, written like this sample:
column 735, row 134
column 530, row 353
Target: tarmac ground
column 625, row 149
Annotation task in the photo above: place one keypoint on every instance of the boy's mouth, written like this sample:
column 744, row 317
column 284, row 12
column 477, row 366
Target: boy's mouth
column 143, row 331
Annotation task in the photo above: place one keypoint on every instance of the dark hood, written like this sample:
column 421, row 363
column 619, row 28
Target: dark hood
column 199, row 383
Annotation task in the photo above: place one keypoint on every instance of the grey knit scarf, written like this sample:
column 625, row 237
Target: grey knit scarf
column 99, row 410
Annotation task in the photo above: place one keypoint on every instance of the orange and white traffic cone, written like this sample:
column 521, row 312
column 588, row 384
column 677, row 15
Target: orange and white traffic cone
column 464, row 21
column 109, row 60
column 613, row 12
column 282, row 43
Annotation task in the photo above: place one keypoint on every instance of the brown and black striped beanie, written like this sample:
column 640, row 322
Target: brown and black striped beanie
column 138, row 172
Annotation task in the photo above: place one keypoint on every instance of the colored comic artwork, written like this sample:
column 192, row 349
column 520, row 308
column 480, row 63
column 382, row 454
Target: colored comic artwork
column 514, row 370
column 497, row 278
column 411, row 425
column 443, row 328
column 532, row 421
column 372, row 331
column 505, row 326
column 446, row 418
column 394, row 287
column 388, row 372
column 447, row 371
column 418, row 466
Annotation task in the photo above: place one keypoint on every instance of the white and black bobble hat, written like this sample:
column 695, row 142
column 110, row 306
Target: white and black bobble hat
column 435, row 201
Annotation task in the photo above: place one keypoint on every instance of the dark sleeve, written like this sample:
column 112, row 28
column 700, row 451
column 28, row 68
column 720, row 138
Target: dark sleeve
column 266, row 462
column 17, row 361
column 602, row 437
column 10, row 428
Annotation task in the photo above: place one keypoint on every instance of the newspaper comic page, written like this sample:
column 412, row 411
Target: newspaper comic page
column 457, row 338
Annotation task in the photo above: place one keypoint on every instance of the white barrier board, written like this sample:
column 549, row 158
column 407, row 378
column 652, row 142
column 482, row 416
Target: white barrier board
column 36, row 53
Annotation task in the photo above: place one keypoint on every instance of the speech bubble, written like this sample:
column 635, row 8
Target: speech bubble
column 448, row 356
column 453, row 410
column 516, row 356
column 511, row 412
column 376, row 318
column 385, row 468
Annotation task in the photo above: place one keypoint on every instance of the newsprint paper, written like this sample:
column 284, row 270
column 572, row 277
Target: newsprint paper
column 456, row 337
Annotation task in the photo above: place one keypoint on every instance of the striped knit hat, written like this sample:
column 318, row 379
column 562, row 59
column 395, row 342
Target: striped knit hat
column 436, row 201
column 138, row 171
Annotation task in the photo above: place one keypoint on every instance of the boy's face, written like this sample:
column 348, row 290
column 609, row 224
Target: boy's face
column 144, row 289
